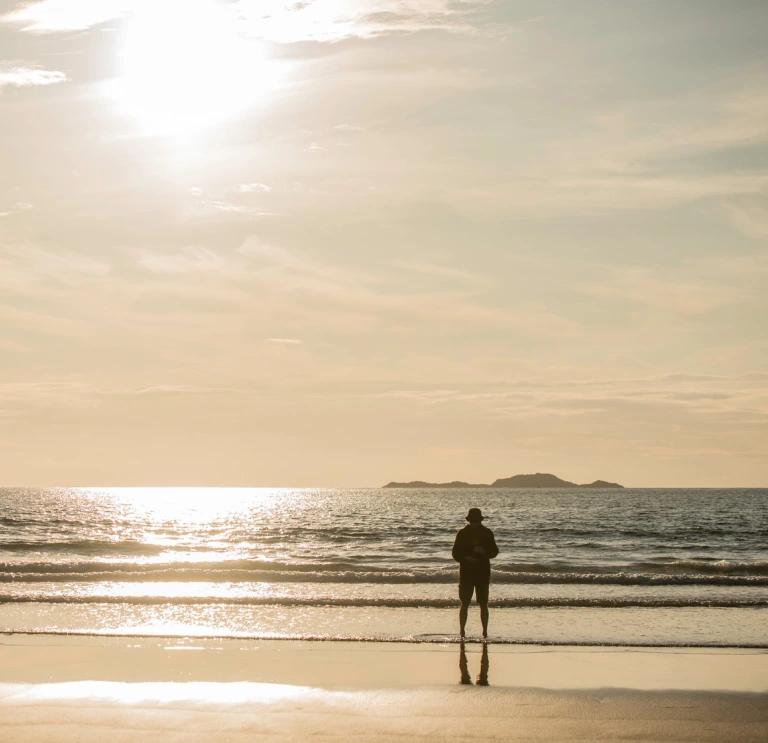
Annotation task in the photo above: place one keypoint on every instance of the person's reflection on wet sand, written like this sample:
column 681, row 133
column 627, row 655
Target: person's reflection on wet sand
column 463, row 667
column 482, row 678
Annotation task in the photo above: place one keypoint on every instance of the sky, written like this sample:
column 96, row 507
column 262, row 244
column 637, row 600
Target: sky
column 337, row 243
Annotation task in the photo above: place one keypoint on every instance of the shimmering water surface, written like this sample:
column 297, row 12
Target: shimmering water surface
column 595, row 566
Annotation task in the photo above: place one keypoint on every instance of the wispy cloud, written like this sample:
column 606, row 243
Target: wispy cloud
column 19, row 207
column 439, row 271
column 48, row 16
column 674, row 291
column 254, row 188
column 750, row 218
column 49, row 393
column 286, row 341
column 21, row 75
column 726, row 414
column 213, row 207
column 194, row 259
column 259, row 280
column 23, row 264
column 282, row 21
column 640, row 154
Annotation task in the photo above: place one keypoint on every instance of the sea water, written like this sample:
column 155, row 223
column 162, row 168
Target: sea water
column 624, row 567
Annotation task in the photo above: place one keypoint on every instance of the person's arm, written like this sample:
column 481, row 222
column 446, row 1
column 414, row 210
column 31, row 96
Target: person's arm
column 493, row 550
column 458, row 548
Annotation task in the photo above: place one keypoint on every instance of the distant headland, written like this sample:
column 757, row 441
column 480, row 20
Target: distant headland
column 539, row 480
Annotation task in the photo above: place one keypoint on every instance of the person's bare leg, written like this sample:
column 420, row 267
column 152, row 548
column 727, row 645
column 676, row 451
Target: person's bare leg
column 484, row 618
column 463, row 611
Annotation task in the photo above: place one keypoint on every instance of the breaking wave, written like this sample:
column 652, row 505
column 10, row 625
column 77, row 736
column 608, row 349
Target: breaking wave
column 679, row 572
column 389, row 602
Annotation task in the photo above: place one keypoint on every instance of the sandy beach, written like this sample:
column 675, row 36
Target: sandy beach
column 55, row 688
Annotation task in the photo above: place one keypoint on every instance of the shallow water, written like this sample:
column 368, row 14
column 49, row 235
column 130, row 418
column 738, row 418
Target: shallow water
column 603, row 566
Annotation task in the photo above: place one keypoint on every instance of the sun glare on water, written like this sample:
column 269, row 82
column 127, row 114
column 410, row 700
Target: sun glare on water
column 186, row 67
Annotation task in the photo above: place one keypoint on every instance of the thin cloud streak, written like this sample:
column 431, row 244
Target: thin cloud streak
column 53, row 16
column 284, row 22
column 23, row 76
column 254, row 188
column 278, row 20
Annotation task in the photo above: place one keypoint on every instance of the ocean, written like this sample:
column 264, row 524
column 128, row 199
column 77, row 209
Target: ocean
column 634, row 567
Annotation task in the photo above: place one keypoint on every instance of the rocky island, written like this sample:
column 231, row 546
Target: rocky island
column 539, row 480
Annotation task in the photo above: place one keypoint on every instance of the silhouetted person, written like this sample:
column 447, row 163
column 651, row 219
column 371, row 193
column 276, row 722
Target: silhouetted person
column 482, row 678
column 474, row 549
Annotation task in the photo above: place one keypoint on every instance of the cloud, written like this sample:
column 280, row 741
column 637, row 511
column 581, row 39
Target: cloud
column 50, row 16
column 254, row 188
column 288, row 22
column 194, row 259
column 216, row 333
column 750, row 218
column 23, row 76
column 21, row 206
column 44, row 394
column 637, row 154
column 439, row 271
column 722, row 411
column 40, row 290
column 284, row 21
column 673, row 291
column 26, row 265
column 169, row 292
column 212, row 208
column 227, row 206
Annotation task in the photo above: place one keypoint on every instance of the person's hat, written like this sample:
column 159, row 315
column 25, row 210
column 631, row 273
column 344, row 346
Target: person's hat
column 474, row 514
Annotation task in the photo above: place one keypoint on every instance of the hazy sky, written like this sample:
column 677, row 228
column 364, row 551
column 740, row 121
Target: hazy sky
column 338, row 242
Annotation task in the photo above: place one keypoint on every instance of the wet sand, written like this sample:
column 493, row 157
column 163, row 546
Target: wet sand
column 58, row 688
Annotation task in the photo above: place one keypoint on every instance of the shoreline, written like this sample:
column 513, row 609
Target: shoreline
column 556, row 627
column 372, row 640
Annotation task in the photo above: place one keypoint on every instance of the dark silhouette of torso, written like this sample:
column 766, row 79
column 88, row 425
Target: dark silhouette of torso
column 473, row 564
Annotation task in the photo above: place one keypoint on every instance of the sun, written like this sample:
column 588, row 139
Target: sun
column 186, row 67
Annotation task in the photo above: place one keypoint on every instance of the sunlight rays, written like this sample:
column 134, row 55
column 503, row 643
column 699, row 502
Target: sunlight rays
column 186, row 67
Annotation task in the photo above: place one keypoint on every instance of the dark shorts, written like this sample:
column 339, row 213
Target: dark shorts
column 477, row 585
